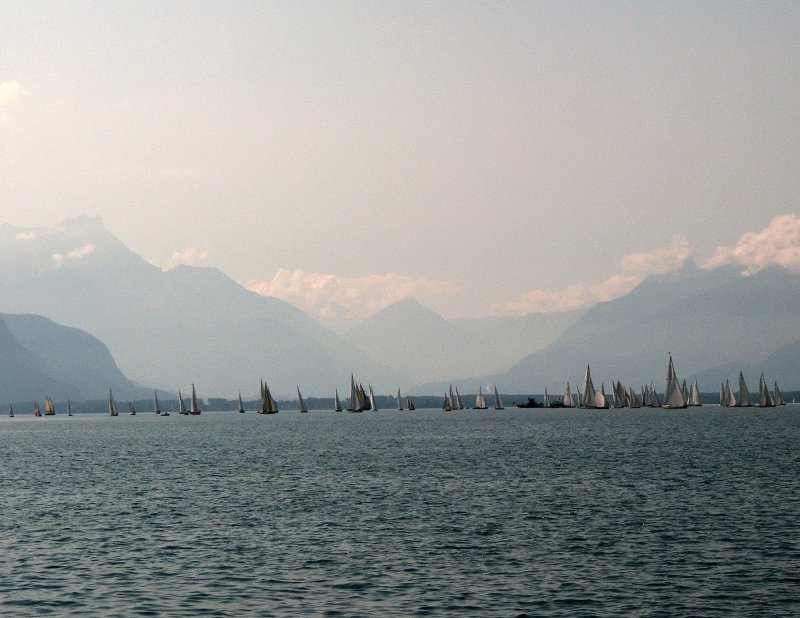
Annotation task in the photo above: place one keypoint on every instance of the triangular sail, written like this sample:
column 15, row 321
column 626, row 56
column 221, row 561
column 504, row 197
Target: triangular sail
column 480, row 403
column 10, row 411
column 694, row 395
column 546, row 398
column 194, row 410
column 744, row 395
column 459, row 405
column 568, row 403
column 337, row 404
column 181, row 404
column 730, row 399
column 446, row 404
column 673, row 394
column 302, row 402
column 498, row 403
column 589, row 394
column 240, row 409
column 633, row 402
column 764, row 397
column 410, row 403
column 399, row 401
column 600, row 400
column 156, row 408
column 373, row 406
column 131, row 408
column 778, row 396
column 112, row 405
column 268, row 405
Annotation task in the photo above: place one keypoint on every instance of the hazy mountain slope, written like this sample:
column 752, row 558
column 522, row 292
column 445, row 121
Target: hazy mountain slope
column 172, row 328
column 424, row 345
column 704, row 318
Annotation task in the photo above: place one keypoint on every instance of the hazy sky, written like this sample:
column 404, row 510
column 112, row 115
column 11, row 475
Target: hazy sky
column 468, row 153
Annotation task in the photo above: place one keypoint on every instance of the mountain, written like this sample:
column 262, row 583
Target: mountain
column 39, row 357
column 424, row 345
column 705, row 318
column 169, row 329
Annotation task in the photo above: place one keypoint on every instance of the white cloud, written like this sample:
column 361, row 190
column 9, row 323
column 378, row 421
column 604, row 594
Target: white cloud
column 189, row 255
column 777, row 243
column 26, row 235
column 633, row 270
column 75, row 254
column 341, row 299
column 10, row 91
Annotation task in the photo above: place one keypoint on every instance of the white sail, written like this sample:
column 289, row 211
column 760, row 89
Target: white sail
column 194, row 409
column 498, row 402
column 399, row 401
column 10, row 411
column 458, row 404
column 730, row 399
column 673, row 394
column 69, row 407
column 355, row 404
column 302, row 402
column 156, row 408
column 568, row 403
column 777, row 396
column 633, row 402
column 373, row 406
column 453, row 399
column 600, row 400
column 181, row 405
column 580, row 397
column 764, row 397
column 546, row 398
column 240, row 409
column 694, row 395
column 744, row 395
column 480, row 403
column 589, row 394
column 112, row 406
column 337, row 404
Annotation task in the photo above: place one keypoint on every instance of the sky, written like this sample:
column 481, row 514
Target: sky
column 487, row 158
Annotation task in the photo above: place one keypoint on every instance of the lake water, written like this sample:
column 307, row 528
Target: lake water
column 519, row 512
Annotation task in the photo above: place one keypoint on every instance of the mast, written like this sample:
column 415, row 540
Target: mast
column 589, row 395
column 744, row 394
column 674, row 394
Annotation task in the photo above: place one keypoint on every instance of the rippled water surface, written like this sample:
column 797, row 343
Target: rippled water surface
column 538, row 512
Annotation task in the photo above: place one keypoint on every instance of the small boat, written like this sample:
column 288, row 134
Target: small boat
column 49, row 408
column 69, row 407
column 373, row 406
column 480, row 402
column 303, row 408
column 777, row 396
column 765, row 399
column 268, row 404
column 131, row 409
column 357, row 402
column 531, row 403
column 410, row 403
column 181, row 405
column 446, row 406
column 194, row 410
column 744, row 395
column 337, row 404
column 399, row 401
column 112, row 405
column 674, row 397
column 156, row 407
column 36, row 410
column 241, row 405
column 498, row 403
column 10, row 411
column 567, row 401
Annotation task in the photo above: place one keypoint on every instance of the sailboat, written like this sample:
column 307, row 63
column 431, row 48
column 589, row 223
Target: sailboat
column 694, row 395
column 546, row 398
column 337, row 405
column 181, row 405
column 156, row 407
column 673, row 394
column 241, row 405
column 49, row 408
column 459, row 405
column 498, row 403
column 452, row 399
column 744, row 395
column 567, row 401
column 589, row 399
column 10, row 411
column 268, row 404
column 446, row 404
column 600, row 400
column 633, row 402
column 399, row 401
column 356, row 402
column 777, row 396
column 36, row 410
column 112, row 406
column 303, row 408
column 410, row 403
column 765, row 400
column 480, row 403
column 69, row 407
column 730, row 399
column 373, row 406
column 131, row 409
column 194, row 410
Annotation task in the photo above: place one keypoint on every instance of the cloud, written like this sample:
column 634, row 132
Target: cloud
column 75, row 254
column 777, row 243
column 341, row 299
column 26, row 235
column 9, row 92
column 634, row 268
column 189, row 255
